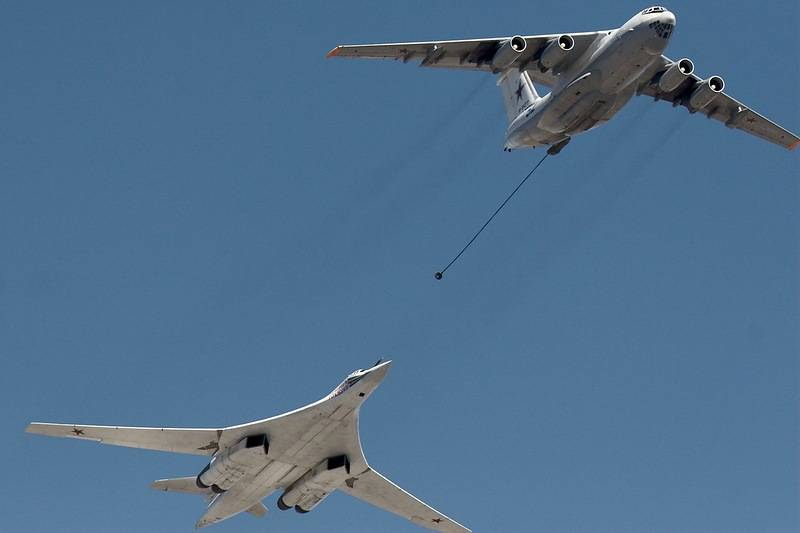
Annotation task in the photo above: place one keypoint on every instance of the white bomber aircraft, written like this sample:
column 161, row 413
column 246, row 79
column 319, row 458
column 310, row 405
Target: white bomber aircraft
column 308, row 453
column 590, row 76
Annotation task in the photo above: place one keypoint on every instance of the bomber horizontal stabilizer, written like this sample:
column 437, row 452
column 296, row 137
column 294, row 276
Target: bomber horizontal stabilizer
column 186, row 485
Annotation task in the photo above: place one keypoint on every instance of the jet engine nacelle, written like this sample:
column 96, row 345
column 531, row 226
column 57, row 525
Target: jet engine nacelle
column 676, row 74
column 508, row 52
column 555, row 52
column 229, row 466
column 315, row 485
column 706, row 92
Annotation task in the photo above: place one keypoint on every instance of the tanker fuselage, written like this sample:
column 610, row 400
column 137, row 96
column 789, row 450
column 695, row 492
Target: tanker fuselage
column 596, row 85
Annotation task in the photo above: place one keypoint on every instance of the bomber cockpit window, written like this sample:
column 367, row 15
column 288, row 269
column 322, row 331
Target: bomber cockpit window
column 654, row 9
column 353, row 378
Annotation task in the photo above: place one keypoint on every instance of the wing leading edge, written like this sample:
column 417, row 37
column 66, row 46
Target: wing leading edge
column 176, row 440
column 375, row 489
column 469, row 54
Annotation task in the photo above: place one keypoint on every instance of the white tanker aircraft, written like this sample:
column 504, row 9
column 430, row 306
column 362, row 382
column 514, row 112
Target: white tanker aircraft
column 590, row 76
column 307, row 453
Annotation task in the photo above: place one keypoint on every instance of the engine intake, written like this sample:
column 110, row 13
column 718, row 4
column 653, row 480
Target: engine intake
column 555, row 52
column 315, row 485
column 508, row 52
column 675, row 75
column 230, row 465
column 706, row 92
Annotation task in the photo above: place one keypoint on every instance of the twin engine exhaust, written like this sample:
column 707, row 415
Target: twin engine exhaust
column 315, row 485
column 230, row 466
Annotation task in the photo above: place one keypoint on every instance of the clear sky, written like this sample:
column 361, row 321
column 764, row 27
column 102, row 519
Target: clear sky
column 204, row 222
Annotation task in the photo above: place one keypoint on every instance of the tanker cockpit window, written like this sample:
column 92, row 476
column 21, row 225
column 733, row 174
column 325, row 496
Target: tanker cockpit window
column 654, row 9
column 663, row 30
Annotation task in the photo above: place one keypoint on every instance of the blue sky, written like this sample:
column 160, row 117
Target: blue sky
column 204, row 222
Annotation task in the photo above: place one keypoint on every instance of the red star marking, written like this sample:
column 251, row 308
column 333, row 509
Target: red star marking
column 519, row 91
column 437, row 520
column 77, row 432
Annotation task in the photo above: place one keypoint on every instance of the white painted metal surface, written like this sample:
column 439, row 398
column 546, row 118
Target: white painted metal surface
column 308, row 453
column 591, row 76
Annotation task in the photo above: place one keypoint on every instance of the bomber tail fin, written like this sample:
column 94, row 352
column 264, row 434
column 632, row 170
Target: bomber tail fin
column 518, row 92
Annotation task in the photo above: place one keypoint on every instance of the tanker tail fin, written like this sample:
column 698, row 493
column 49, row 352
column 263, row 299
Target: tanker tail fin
column 518, row 92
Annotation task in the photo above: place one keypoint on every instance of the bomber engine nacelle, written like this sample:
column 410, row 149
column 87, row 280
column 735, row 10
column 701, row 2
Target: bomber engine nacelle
column 315, row 485
column 229, row 466
column 508, row 52
column 706, row 91
column 675, row 75
column 555, row 52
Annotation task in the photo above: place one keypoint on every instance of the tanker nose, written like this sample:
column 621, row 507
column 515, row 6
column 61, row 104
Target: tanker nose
column 661, row 27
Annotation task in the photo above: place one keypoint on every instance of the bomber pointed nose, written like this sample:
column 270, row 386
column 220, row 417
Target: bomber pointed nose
column 379, row 371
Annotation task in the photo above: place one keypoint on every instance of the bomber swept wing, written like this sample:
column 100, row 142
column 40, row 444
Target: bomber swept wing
column 375, row 489
column 176, row 440
column 473, row 54
column 296, row 428
column 722, row 108
column 307, row 453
